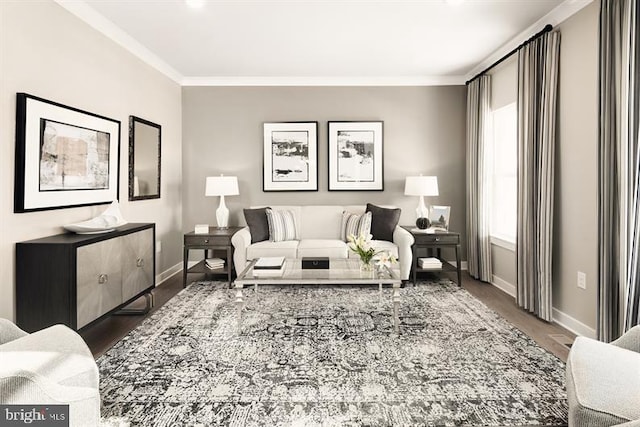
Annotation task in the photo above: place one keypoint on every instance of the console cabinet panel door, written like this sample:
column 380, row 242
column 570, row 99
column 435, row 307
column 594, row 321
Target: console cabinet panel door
column 99, row 279
column 137, row 263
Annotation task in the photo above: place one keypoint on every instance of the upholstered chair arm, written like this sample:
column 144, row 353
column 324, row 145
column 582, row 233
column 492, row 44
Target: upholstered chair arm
column 9, row 331
column 629, row 340
column 23, row 387
column 51, row 366
column 57, row 353
column 404, row 240
column 240, row 241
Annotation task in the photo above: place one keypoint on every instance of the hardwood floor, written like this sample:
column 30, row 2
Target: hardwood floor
column 101, row 336
column 104, row 334
column 505, row 305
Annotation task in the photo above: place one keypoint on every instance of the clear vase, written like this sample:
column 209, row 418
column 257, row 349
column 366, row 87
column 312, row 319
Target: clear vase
column 366, row 266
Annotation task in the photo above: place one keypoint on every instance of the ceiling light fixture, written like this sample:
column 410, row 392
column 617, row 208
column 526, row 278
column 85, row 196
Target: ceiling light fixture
column 196, row 4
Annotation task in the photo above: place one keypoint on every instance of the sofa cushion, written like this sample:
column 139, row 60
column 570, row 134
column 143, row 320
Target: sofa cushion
column 287, row 249
column 282, row 225
column 355, row 224
column 258, row 225
column 383, row 221
column 331, row 248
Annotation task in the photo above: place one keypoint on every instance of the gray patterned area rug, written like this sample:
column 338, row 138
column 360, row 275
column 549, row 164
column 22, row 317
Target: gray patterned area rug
column 327, row 356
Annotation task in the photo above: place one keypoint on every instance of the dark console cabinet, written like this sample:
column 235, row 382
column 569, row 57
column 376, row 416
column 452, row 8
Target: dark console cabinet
column 75, row 279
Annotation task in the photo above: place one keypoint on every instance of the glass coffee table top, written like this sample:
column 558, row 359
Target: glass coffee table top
column 340, row 271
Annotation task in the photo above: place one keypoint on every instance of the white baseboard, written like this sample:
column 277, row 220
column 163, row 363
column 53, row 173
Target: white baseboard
column 572, row 324
column 557, row 316
column 171, row 271
column 503, row 285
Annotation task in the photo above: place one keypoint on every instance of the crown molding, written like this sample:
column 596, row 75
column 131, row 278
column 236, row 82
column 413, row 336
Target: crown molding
column 325, row 81
column 87, row 14
column 559, row 14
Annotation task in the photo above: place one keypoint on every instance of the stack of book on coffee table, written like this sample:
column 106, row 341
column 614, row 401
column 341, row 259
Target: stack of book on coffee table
column 269, row 266
column 430, row 263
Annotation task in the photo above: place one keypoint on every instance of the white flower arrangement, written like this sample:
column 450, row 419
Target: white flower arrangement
column 361, row 245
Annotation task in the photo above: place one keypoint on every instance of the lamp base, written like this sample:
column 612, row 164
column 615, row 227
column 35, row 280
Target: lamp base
column 222, row 214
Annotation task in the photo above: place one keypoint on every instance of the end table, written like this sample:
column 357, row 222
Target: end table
column 215, row 239
column 435, row 240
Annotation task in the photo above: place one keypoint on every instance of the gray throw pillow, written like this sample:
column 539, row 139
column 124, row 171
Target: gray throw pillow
column 383, row 221
column 258, row 225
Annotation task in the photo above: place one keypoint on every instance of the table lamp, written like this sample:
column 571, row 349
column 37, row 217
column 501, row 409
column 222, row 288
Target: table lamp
column 421, row 186
column 222, row 186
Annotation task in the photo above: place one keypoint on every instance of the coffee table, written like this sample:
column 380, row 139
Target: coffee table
column 340, row 272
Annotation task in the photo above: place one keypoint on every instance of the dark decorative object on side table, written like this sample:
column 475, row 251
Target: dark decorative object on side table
column 422, row 223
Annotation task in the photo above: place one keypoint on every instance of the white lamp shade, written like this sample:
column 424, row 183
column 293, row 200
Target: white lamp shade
column 221, row 186
column 421, row 186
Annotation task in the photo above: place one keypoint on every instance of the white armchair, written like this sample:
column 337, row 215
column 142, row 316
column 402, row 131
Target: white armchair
column 51, row 366
column 603, row 381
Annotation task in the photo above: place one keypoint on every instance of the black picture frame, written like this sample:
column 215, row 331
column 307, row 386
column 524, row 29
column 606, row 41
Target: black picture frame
column 356, row 155
column 145, row 159
column 65, row 157
column 290, row 156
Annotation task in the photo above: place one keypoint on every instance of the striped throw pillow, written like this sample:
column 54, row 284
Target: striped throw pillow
column 355, row 224
column 282, row 225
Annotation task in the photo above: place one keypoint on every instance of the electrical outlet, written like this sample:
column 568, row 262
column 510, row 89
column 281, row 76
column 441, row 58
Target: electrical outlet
column 582, row 280
column 158, row 246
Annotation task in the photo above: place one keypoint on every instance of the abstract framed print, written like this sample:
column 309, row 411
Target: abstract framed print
column 65, row 156
column 290, row 156
column 356, row 156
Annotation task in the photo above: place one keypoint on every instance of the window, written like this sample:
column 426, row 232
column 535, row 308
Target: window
column 503, row 168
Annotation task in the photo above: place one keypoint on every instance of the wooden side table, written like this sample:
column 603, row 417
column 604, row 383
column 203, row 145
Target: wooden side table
column 436, row 240
column 215, row 239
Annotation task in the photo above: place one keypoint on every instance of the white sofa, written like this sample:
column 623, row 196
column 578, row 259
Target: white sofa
column 319, row 236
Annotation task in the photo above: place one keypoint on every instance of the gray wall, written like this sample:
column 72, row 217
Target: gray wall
column 424, row 132
column 575, row 242
column 48, row 52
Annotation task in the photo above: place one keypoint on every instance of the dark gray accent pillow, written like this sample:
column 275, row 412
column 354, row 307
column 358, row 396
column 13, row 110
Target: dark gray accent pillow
column 383, row 222
column 258, row 225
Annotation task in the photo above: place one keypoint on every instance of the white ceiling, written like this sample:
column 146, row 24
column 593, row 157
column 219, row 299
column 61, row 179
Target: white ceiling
column 402, row 40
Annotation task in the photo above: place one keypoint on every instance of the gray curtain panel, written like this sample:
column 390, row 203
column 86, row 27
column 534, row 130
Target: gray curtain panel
column 537, row 96
column 478, row 244
column 618, row 169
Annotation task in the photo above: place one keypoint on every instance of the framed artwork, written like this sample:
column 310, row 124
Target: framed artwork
column 355, row 156
column 439, row 217
column 65, row 156
column 290, row 156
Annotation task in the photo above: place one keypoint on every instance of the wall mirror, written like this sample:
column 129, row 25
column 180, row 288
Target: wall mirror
column 144, row 159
